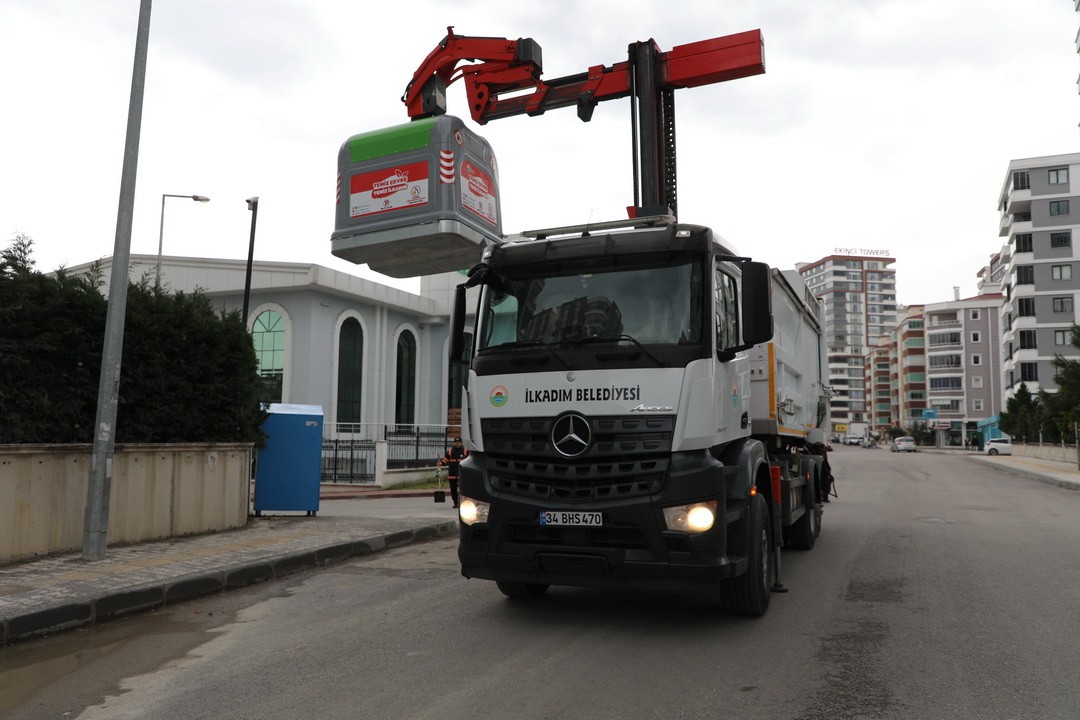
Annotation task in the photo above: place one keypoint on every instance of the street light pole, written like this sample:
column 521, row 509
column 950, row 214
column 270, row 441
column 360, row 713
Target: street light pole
column 96, row 516
column 253, row 206
column 161, row 230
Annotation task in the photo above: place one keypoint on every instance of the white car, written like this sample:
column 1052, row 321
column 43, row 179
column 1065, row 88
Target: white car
column 998, row 446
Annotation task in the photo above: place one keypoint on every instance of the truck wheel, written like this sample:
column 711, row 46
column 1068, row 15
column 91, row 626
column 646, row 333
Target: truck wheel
column 521, row 590
column 805, row 529
column 748, row 594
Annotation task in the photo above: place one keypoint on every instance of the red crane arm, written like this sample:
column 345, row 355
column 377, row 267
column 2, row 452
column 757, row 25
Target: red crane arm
column 503, row 66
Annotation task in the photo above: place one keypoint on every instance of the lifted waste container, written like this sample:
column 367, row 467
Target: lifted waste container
column 288, row 469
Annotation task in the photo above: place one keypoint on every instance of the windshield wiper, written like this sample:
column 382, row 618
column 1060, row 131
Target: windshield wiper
column 529, row 344
column 615, row 338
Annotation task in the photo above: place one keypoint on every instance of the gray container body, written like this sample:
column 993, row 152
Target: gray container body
column 416, row 199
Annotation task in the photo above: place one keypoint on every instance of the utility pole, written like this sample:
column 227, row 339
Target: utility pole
column 253, row 206
column 96, row 519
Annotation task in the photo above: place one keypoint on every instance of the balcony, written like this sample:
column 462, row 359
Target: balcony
column 1011, row 223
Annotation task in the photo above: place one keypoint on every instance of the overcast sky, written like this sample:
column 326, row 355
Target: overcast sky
column 879, row 124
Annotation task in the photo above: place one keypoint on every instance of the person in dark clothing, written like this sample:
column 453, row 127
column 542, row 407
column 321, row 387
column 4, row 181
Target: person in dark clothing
column 454, row 455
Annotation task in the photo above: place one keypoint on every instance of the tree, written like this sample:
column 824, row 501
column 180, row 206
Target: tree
column 1062, row 408
column 1023, row 414
column 189, row 373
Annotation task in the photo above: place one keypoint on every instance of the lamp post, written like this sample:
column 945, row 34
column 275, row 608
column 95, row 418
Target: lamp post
column 161, row 230
column 253, row 206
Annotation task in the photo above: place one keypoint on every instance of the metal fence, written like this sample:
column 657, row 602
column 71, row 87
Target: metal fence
column 348, row 449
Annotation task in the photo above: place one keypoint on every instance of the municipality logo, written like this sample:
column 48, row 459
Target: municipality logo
column 499, row 395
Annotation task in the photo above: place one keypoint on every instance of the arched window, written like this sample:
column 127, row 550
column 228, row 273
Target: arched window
column 350, row 370
column 405, row 392
column 268, row 335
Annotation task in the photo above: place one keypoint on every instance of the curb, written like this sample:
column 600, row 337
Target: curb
column 374, row 494
column 227, row 576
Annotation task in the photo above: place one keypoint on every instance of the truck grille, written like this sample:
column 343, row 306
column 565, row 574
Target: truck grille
column 628, row 457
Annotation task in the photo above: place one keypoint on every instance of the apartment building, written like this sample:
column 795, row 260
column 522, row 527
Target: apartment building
column 879, row 389
column 963, row 364
column 908, row 369
column 858, row 288
column 896, row 374
column 1040, row 217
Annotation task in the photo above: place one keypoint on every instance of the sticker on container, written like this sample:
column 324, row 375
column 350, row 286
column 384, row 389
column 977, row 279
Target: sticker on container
column 478, row 192
column 389, row 189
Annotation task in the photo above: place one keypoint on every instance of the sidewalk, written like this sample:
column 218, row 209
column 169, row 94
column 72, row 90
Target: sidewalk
column 1062, row 474
column 64, row 591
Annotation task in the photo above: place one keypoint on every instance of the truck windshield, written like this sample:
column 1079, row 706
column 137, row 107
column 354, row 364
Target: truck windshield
column 654, row 304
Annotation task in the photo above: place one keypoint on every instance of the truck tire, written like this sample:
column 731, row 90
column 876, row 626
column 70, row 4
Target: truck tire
column 748, row 594
column 804, row 531
column 521, row 590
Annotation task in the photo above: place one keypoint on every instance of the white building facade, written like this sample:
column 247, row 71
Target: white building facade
column 366, row 353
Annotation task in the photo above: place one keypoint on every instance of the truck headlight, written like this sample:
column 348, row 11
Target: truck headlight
column 473, row 511
column 694, row 518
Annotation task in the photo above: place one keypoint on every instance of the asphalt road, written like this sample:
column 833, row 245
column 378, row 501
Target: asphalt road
column 939, row 588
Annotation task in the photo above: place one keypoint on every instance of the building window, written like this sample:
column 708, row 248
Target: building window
column 1025, row 274
column 944, row 338
column 975, row 337
column 1063, row 304
column 1027, row 340
column 1061, row 239
column 1021, row 180
column 944, row 361
column 268, row 337
column 1023, row 244
column 1029, row 372
column 947, row 383
column 1059, row 176
column 1025, row 307
column 977, row 382
column 1061, row 272
column 976, row 359
column 1059, row 207
column 1061, row 337
column 350, row 371
column 405, row 389
column 977, row 405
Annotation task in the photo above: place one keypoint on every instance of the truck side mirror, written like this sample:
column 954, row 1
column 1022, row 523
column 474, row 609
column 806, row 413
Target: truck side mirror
column 757, row 320
column 457, row 327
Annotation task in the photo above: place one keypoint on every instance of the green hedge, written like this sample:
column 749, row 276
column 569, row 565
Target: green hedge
column 188, row 374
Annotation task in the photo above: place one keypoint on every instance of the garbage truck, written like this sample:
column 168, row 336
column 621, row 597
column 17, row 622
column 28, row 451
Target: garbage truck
column 643, row 406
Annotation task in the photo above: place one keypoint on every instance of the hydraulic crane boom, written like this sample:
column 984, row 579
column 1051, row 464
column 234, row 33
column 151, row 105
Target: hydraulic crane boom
column 648, row 77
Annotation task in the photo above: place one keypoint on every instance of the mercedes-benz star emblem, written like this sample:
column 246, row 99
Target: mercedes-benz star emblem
column 571, row 435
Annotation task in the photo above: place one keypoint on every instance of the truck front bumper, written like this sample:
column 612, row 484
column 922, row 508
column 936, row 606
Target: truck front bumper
column 632, row 548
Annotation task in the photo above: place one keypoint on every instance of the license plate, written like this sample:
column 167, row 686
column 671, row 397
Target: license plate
column 565, row 517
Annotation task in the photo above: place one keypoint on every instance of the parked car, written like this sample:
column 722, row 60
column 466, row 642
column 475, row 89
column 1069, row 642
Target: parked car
column 904, row 444
column 998, row 446
column 853, row 439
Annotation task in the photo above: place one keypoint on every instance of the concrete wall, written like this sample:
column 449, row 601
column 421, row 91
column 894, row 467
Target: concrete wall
column 1061, row 453
column 158, row 491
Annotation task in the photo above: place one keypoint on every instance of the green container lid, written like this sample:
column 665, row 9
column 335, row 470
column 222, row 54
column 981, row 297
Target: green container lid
column 391, row 140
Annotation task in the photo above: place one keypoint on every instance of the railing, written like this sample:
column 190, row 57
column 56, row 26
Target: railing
column 349, row 449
